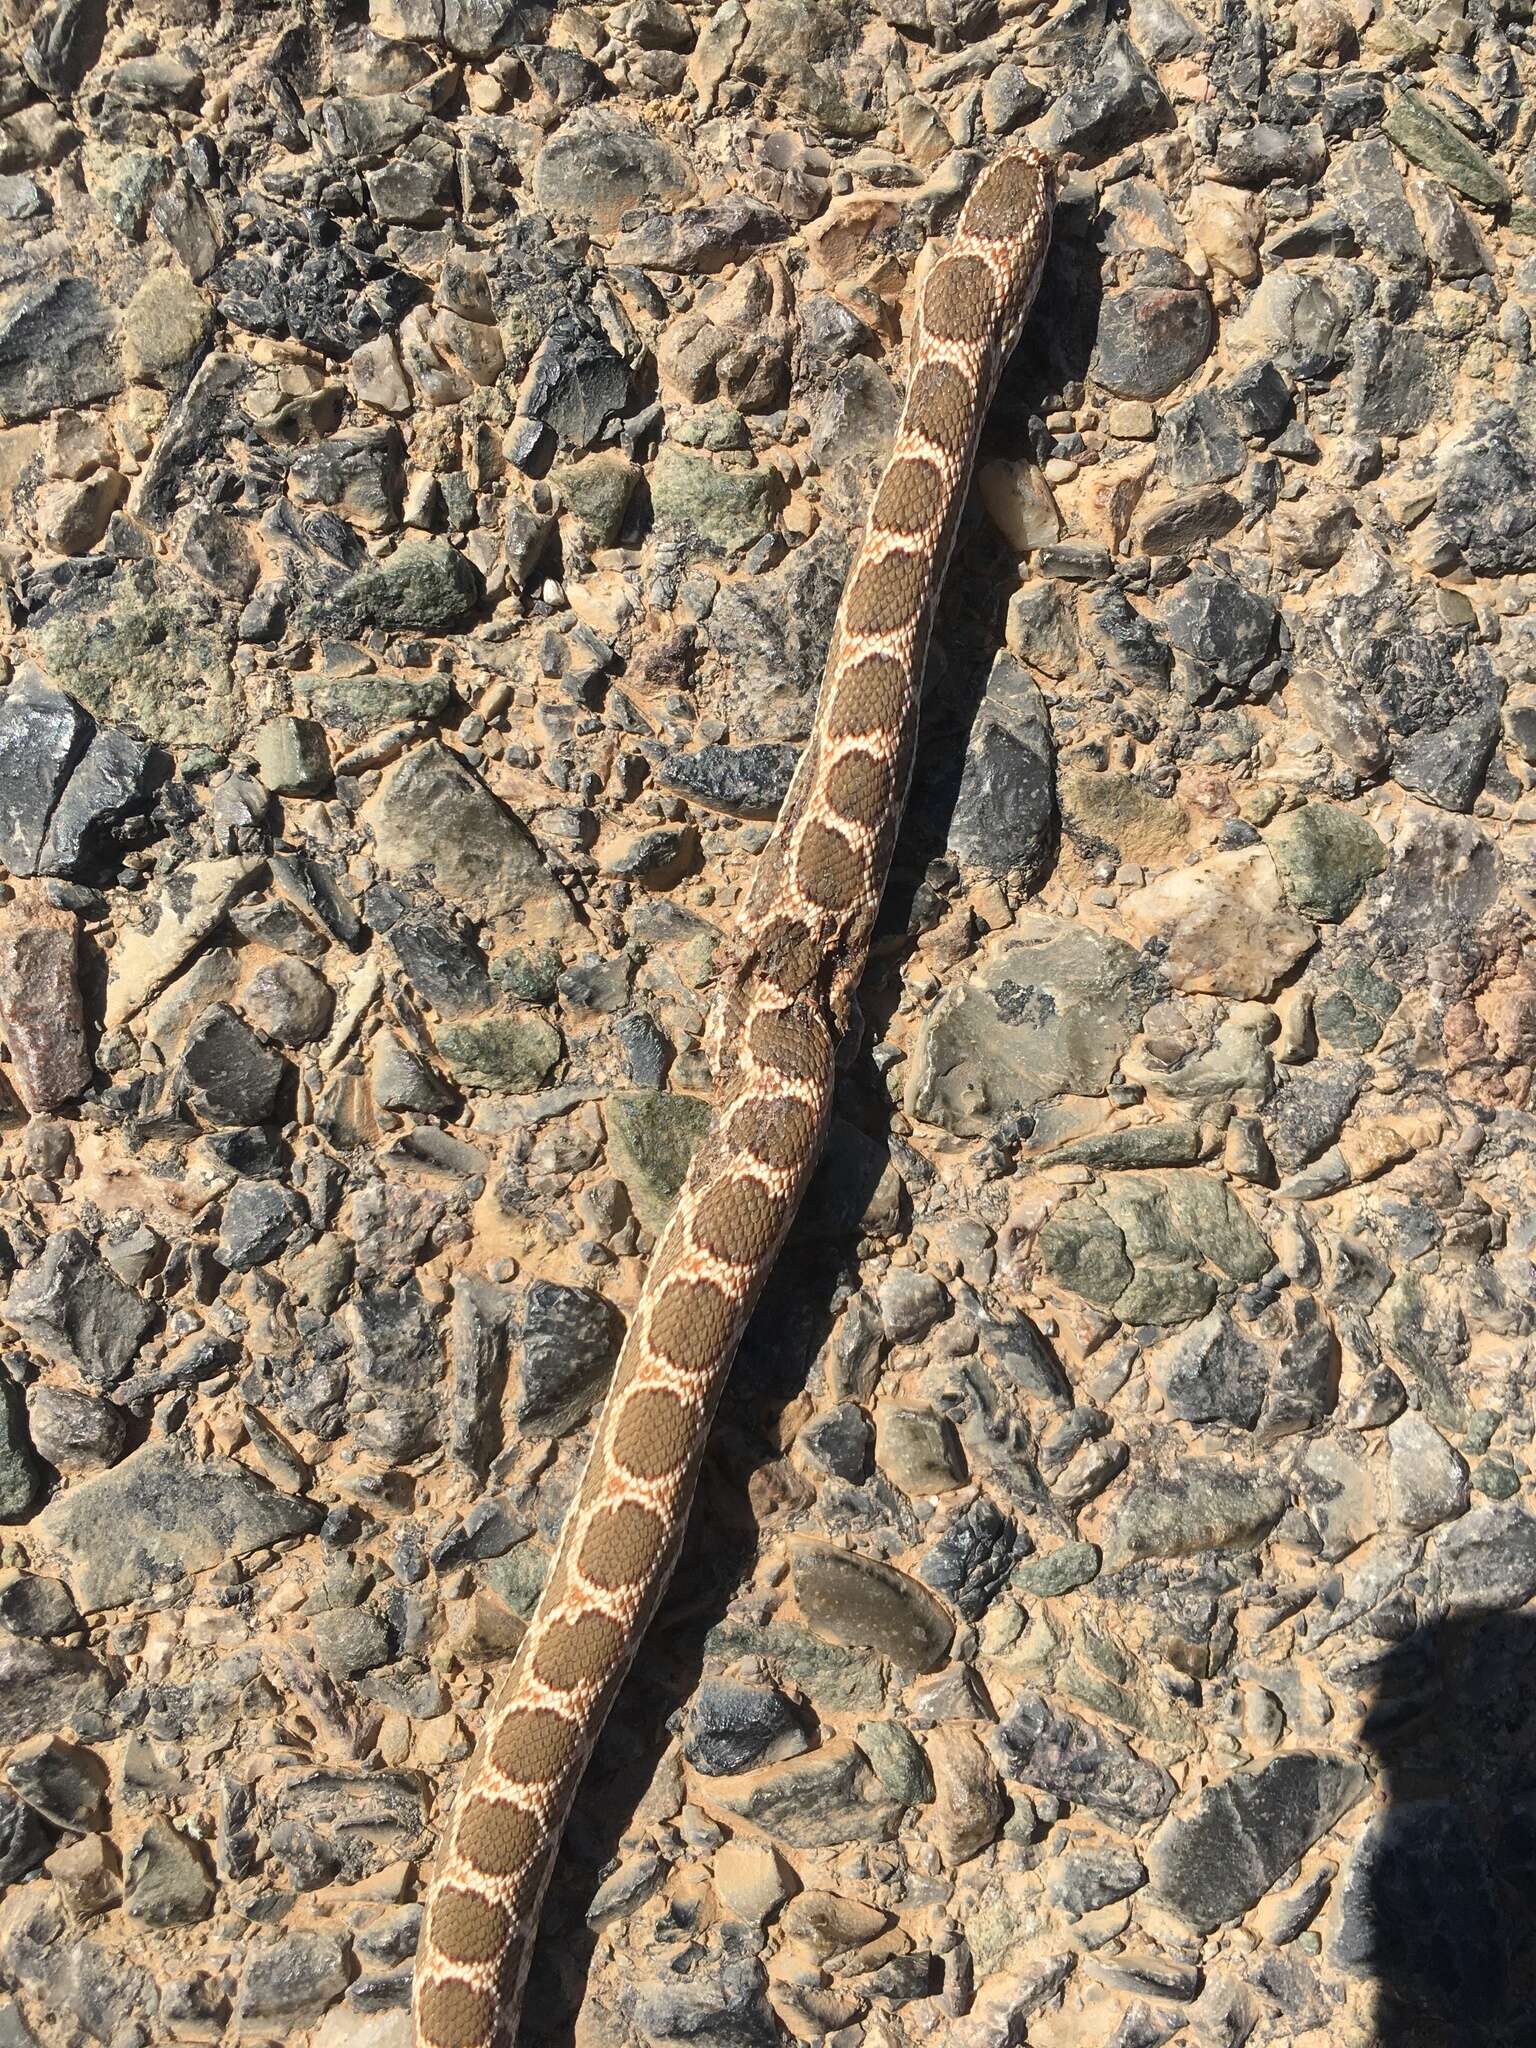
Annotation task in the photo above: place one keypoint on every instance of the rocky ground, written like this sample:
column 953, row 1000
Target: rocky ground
column 431, row 438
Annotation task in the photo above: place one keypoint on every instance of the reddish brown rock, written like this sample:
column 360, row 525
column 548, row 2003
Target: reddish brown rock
column 40, row 1013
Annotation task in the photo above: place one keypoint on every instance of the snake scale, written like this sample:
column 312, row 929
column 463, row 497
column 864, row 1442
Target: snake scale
column 781, row 1007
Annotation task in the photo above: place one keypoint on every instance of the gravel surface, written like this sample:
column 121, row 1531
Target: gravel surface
column 432, row 437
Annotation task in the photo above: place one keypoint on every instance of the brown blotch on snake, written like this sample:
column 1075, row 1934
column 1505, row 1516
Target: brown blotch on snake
column 939, row 405
column 620, row 1546
column 577, row 1652
column 534, row 1743
column 786, row 1041
column 858, row 788
column 455, row 2015
column 775, row 1132
column 470, row 1929
column 653, row 1434
column 688, row 1324
column 910, row 496
column 830, row 873
column 870, row 696
column 736, row 1221
column 886, row 594
column 958, row 304
column 496, row 1838
column 1008, row 200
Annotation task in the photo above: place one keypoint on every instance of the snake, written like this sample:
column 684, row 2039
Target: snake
column 784, row 999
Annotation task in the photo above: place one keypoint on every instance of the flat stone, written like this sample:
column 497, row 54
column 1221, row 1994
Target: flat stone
column 425, row 586
column 569, row 1340
column 177, row 920
column 1427, row 138
column 721, row 511
column 746, row 782
column 47, row 1686
column 598, row 166
column 651, row 1136
column 1084, row 1250
column 166, row 1882
column 1212, row 1863
column 1004, row 817
column 1427, row 1480
column 157, row 1518
column 507, row 1055
column 1486, row 1562
column 1049, row 1014
column 73, row 1308
column 1418, row 1910
column 41, row 1014
column 1225, row 923
column 1486, row 500
column 1151, row 336
column 860, row 1601
column 1040, row 1744
column 58, row 349
column 294, row 1980
column 231, row 1078
column 824, row 1800
column 42, row 735
column 1058, row 1571
column 1202, row 1505
column 1326, row 857
column 435, row 816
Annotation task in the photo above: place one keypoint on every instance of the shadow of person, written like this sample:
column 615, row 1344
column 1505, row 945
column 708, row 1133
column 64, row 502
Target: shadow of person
column 1438, row 1904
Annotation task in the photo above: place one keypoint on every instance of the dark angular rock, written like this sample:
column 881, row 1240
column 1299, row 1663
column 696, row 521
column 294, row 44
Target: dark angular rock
column 443, row 964
column 24, row 1841
column 1267, row 153
column 841, row 1442
column 58, row 348
column 1201, row 440
column 747, row 782
column 109, row 793
column 734, row 1727
column 578, row 383
column 229, row 1075
column 1115, row 102
column 42, row 735
column 66, row 1784
column 1004, row 818
column 1218, row 623
column 1213, row 1863
column 31, row 1605
column 1487, row 497
column 260, row 1219
column 425, row 586
column 62, row 44
column 1213, row 1373
column 332, row 298
column 1395, row 382
column 1153, row 333
column 1418, row 1914
column 1041, row 1745
column 971, row 1560
column 73, row 1308
column 569, row 1340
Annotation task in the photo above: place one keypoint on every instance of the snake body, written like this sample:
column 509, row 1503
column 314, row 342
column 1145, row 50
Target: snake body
column 781, row 1007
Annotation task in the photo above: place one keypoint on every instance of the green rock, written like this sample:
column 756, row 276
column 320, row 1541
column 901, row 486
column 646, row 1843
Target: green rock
column 529, row 975
column 138, row 652
column 1496, row 1478
column 18, row 1466
column 1081, row 1248
column 1354, row 1015
column 1427, row 138
column 1201, row 1505
column 595, row 494
column 166, row 325
column 1139, row 1207
column 360, row 705
column 425, row 586
column 725, row 509
column 1211, row 1217
column 1421, row 1322
column 717, row 427
column 1166, row 1294
column 833, row 1681
column 434, row 815
column 291, row 756
column 1059, row 1571
column 507, row 1055
column 1166, row 1144
column 651, row 1136
column 898, row 1760
column 1326, row 856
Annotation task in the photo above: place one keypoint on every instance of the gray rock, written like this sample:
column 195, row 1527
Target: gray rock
column 578, row 384
column 1214, row 1862
column 1212, row 1374
column 1004, row 817
column 1227, row 629
column 1200, row 440
column 1426, row 1478
column 75, row 1431
column 1202, row 1505
column 334, row 297
column 157, row 1518
column 46, row 1686
column 19, row 1476
column 58, row 348
column 66, row 1784
column 295, row 1979
column 1427, row 138
column 1364, row 180
column 860, row 1601
column 748, row 782
column 42, row 735
column 918, row 1450
column 1040, row 1744
column 31, row 1605
column 734, row 1727
column 289, row 1001
column 74, row 1309
column 596, row 167
column 971, row 1559
column 724, row 2007
column 823, row 1800
column 24, row 1841
column 105, row 799
column 1309, row 1109
column 259, row 1221
column 166, row 1882
column 569, row 1340
column 230, row 1077
column 1266, row 153
column 1487, row 496
column 1051, row 1013
column 1084, row 1880
column 1486, row 1562
column 1326, row 856
column 1152, row 333
column 425, row 586
column 1116, row 100
column 434, row 815
column 1395, row 384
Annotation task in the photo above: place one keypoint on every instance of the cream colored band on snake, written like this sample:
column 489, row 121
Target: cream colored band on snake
column 781, row 1007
